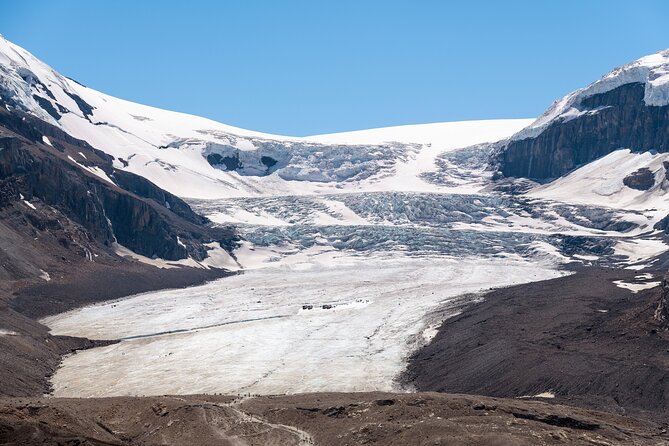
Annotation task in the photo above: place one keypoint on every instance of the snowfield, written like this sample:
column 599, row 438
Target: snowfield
column 600, row 183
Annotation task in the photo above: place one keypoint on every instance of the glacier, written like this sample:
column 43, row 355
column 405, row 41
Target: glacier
column 250, row 333
column 354, row 246
column 336, row 290
column 195, row 157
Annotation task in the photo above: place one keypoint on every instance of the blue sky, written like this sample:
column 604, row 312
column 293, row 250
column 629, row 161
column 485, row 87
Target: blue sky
column 307, row 67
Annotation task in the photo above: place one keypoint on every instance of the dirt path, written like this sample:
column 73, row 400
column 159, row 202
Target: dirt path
column 302, row 438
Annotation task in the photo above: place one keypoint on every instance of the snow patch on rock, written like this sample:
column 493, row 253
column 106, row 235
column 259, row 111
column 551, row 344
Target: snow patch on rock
column 635, row 287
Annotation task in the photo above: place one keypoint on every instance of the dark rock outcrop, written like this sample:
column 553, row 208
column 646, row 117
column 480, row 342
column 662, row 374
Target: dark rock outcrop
column 134, row 212
column 662, row 311
column 619, row 119
column 47, row 107
column 232, row 162
column 84, row 106
column 642, row 179
column 144, row 188
column 662, row 225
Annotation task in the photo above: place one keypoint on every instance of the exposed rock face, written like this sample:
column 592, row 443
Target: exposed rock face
column 133, row 212
column 144, row 188
column 642, row 179
column 606, row 122
column 233, row 162
column 662, row 225
column 54, row 181
column 303, row 160
column 662, row 311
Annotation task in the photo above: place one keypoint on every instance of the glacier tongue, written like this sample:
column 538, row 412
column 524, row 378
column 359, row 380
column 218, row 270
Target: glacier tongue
column 337, row 290
column 276, row 330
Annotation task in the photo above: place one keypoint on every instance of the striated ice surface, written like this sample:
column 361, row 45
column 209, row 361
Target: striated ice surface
column 250, row 333
column 337, row 290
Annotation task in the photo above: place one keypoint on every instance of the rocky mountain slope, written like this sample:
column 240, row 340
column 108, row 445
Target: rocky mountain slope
column 42, row 180
column 578, row 340
column 626, row 109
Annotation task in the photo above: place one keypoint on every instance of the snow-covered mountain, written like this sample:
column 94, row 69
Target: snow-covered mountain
column 606, row 144
column 195, row 157
column 652, row 72
column 628, row 108
column 385, row 178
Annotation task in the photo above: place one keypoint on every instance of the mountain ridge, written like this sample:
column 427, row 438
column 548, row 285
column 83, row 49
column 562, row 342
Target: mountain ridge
column 626, row 108
column 212, row 160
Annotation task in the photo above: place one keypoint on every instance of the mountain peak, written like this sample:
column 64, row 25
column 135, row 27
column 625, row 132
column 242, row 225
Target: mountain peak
column 651, row 70
column 627, row 108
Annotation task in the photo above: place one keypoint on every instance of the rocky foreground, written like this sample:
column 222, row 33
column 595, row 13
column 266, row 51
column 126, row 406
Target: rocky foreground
column 323, row 419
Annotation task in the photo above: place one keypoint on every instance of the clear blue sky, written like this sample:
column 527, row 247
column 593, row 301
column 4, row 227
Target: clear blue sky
column 306, row 67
